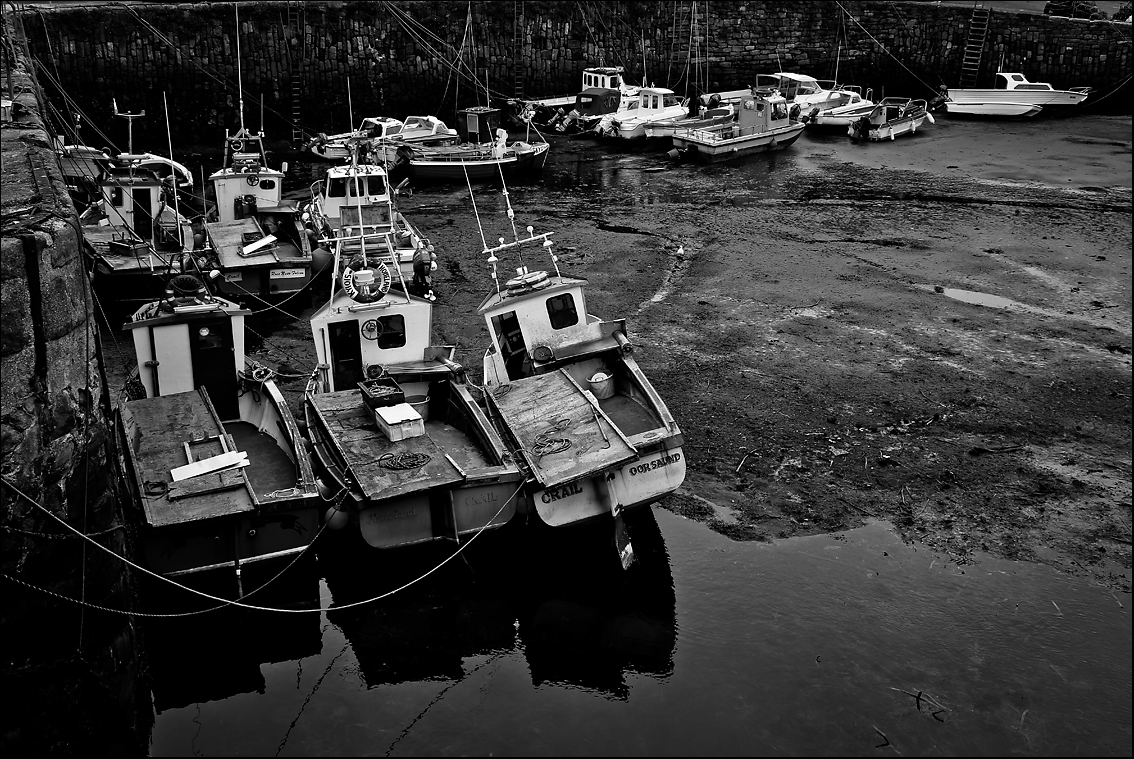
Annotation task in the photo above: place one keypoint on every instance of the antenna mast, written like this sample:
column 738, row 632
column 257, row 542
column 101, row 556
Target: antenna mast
column 239, row 79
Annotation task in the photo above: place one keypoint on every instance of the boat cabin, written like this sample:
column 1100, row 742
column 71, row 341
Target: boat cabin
column 603, row 78
column 760, row 113
column 1006, row 81
column 246, row 184
column 351, row 186
column 596, row 101
column 136, row 198
column 791, row 86
column 479, row 125
column 654, row 99
column 189, row 340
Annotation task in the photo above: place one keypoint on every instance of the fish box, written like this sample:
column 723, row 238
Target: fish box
column 126, row 247
column 399, row 422
column 381, row 392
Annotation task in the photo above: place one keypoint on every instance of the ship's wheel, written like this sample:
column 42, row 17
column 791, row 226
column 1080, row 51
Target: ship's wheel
column 371, row 328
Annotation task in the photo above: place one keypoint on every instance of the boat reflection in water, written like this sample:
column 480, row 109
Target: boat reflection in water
column 564, row 601
column 217, row 654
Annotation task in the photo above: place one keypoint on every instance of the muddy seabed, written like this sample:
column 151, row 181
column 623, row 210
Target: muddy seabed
column 933, row 331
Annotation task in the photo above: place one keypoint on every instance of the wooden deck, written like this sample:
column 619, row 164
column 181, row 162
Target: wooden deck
column 554, row 406
column 363, row 445
column 159, row 430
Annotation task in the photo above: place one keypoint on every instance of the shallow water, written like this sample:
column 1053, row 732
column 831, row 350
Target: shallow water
column 816, row 645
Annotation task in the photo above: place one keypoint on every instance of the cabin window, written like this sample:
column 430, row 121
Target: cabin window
column 267, row 184
column 561, row 311
column 337, row 188
column 391, row 331
column 779, row 111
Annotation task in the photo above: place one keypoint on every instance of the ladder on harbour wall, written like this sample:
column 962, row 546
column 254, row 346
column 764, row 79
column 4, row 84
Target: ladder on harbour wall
column 974, row 46
column 296, row 48
column 685, row 51
column 518, row 49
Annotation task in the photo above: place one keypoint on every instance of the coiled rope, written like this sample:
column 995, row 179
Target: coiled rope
column 406, row 460
column 546, row 443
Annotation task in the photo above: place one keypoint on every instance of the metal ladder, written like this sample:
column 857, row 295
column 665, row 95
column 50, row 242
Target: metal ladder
column 299, row 37
column 517, row 49
column 974, row 46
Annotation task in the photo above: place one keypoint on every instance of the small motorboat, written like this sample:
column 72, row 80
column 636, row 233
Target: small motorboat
column 422, row 130
column 890, row 119
column 763, row 123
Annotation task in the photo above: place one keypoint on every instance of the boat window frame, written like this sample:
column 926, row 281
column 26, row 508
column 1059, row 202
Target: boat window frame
column 557, row 317
column 391, row 327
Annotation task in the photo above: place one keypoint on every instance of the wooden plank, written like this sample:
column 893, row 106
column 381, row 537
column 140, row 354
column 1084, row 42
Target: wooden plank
column 206, row 483
column 378, row 481
column 211, row 464
column 552, row 406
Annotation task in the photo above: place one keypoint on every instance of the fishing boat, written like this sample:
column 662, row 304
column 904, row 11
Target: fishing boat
column 483, row 153
column 255, row 239
column 592, row 434
column 214, row 460
column 889, row 119
column 358, row 199
column 134, row 233
column 1011, row 95
column 839, row 109
column 653, row 104
column 714, row 114
column 604, row 90
column 391, row 419
column 763, row 123
column 423, row 130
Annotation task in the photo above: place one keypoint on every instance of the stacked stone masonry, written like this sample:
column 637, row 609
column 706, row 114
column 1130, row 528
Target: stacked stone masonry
column 399, row 57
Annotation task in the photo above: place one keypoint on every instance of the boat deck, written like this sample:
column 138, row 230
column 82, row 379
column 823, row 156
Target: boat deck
column 364, row 445
column 549, row 407
column 169, row 432
column 142, row 259
column 228, row 240
column 630, row 416
column 269, row 470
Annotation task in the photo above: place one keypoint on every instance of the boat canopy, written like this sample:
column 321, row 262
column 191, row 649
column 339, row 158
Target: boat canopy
column 596, row 101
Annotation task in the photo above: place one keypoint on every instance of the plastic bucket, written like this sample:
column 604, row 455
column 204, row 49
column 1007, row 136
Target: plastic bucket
column 602, row 385
column 420, row 404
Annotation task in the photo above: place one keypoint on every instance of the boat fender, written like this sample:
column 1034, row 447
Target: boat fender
column 336, row 518
column 366, row 284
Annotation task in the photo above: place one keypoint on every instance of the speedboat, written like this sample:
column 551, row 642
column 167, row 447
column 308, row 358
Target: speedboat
column 839, row 109
column 654, row 104
column 1012, row 95
column 891, row 118
column 424, row 130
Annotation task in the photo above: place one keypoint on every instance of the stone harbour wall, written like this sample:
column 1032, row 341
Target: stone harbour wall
column 69, row 669
column 308, row 66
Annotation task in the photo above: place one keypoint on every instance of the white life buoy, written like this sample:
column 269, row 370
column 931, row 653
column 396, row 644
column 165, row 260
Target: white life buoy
column 531, row 279
column 237, row 146
column 366, row 283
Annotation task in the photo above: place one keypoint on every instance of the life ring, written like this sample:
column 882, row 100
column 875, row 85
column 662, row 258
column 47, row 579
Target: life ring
column 367, row 288
column 531, row 279
column 253, row 180
column 184, row 286
column 236, row 145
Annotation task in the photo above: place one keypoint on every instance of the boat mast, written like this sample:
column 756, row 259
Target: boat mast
column 173, row 187
column 239, row 79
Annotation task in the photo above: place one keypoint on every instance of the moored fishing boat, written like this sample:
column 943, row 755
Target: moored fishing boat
column 604, row 90
column 562, row 385
column 392, row 422
column 255, row 239
column 483, row 153
column 423, row 130
column 214, row 460
column 889, row 119
column 763, row 123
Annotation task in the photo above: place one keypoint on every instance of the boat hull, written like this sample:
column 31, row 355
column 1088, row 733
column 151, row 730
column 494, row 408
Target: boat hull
column 453, row 167
column 705, row 148
column 1023, row 110
column 1039, row 97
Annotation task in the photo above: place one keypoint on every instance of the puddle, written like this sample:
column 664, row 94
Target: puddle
column 979, row 299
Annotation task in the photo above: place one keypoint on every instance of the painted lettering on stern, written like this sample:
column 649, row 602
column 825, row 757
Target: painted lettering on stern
column 564, row 491
column 385, row 516
column 652, row 464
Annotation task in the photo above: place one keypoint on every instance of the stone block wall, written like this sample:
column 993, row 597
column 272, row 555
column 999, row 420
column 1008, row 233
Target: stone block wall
column 417, row 56
column 70, row 669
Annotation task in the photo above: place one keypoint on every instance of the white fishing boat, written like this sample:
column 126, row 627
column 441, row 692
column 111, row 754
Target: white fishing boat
column 763, row 123
column 592, row 434
column 423, row 130
column 357, row 199
column 255, row 239
column 483, row 153
column 1011, row 95
column 653, row 104
column 214, row 460
column 392, row 422
column 890, row 119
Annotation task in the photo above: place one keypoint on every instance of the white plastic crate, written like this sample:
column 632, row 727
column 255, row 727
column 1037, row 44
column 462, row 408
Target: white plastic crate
column 399, row 422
